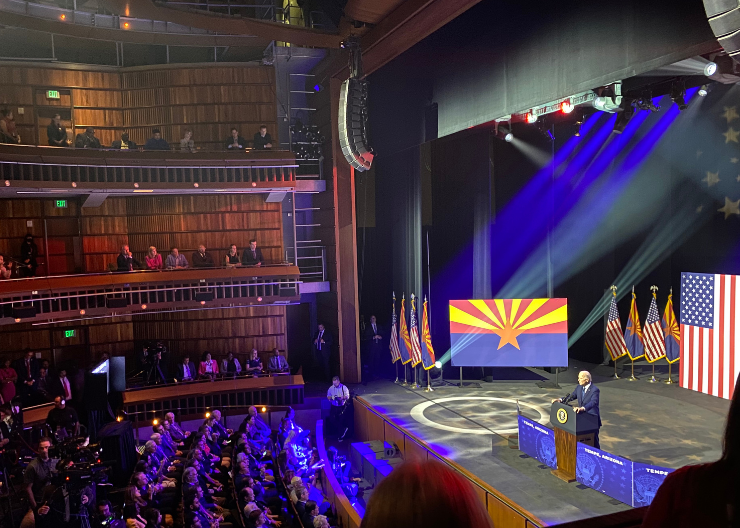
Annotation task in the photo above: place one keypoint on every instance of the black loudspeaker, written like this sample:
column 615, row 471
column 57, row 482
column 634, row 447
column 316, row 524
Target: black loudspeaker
column 96, row 391
column 724, row 19
column 25, row 312
column 116, row 302
column 119, row 449
column 204, row 296
column 352, row 124
column 391, row 450
column 117, row 373
column 287, row 292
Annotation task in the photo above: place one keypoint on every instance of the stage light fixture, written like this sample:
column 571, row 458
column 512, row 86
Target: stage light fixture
column 703, row 91
column 438, row 364
column 624, row 116
column 509, row 137
column 566, row 107
column 119, row 418
column 710, row 68
column 678, row 95
column 531, row 117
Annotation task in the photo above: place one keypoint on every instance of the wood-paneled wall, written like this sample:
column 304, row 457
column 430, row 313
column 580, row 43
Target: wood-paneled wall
column 207, row 99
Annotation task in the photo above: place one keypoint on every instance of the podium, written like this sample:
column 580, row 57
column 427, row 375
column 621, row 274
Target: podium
column 570, row 428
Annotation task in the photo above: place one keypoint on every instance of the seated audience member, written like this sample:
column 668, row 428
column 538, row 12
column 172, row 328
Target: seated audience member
column 62, row 419
column 185, row 371
column 252, row 256
column 278, row 363
column 705, row 494
column 124, row 143
column 6, row 268
column 417, row 495
column 312, row 510
column 153, row 259
column 175, row 260
column 29, row 252
column 106, row 518
column 156, row 142
column 126, row 260
column 8, row 133
column 254, row 363
column 300, row 505
column 186, row 143
column 56, row 133
column 175, row 430
column 208, row 367
column 235, row 141
column 230, row 365
column 87, row 139
column 262, row 140
column 202, row 259
column 232, row 257
column 153, row 518
column 259, row 422
column 320, row 521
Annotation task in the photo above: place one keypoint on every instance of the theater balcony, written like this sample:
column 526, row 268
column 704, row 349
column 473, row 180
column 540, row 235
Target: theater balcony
column 71, row 298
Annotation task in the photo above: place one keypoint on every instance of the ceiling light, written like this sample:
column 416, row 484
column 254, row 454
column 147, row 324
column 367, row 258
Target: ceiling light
column 703, row 91
column 125, row 25
column 531, row 117
column 64, row 17
column 566, row 107
column 710, row 69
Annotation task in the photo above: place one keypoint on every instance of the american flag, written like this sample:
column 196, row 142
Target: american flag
column 414, row 331
column 653, row 334
column 614, row 339
column 709, row 352
column 395, row 352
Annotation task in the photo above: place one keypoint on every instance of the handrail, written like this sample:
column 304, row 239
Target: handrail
column 331, row 479
column 456, row 467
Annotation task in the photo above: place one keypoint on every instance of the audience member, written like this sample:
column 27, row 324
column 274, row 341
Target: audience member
column 322, row 349
column 262, row 140
column 8, row 379
column 312, row 510
column 6, row 268
column 8, row 133
column 56, row 133
column 235, row 141
column 64, row 388
column 230, row 365
column 29, row 252
column 176, row 260
column 425, row 495
column 105, row 517
column 153, row 259
column 124, row 143
column 208, row 367
column 232, row 257
column 320, row 521
column 28, row 371
column 87, row 139
column 253, row 255
column 278, row 363
column 43, row 386
column 175, row 430
column 36, row 477
column 186, row 143
column 126, row 261
column 202, row 259
column 254, row 363
column 185, row 371
column 62, row 419
column 156, row 142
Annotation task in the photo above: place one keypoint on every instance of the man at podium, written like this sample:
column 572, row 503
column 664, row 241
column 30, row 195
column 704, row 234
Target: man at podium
column 587, row 396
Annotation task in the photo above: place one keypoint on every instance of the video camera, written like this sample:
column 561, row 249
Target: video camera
column 79, row 465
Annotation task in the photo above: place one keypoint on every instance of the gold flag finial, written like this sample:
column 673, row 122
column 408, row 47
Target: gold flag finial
column 614, row 290
column 654, row 289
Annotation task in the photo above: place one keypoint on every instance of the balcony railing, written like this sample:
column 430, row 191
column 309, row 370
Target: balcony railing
column 76, row 297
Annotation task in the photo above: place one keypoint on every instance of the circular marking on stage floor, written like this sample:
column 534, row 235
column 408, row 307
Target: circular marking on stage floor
column 417, row 413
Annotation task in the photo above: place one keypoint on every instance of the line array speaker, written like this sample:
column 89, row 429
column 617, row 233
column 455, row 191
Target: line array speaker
column 352, row 124
column 724, row 19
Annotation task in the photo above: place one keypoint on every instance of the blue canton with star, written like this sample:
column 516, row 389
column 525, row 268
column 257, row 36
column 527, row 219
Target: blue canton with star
column 697, row 299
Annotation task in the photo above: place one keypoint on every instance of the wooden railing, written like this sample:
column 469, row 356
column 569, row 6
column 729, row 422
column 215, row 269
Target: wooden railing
column 347, row 515
column 372, row 425
column 113, row 294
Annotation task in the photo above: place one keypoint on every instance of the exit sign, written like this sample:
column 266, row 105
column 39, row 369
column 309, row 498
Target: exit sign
column 52, row 94
column 60, row 203
column 69, row 333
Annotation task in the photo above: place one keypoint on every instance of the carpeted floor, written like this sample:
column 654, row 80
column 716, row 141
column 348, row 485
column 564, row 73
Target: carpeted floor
column 659, row 424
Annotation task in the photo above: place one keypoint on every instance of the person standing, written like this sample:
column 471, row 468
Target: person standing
column 8, row 378
column 373, row 350
column 262, row 140
column 29, row 252
column 64, row 389
column 253, row 255
column 56, row 133
column 37, row 476
column 28, row 371
column 322, row 349
column 587, row 396
column 337, row 395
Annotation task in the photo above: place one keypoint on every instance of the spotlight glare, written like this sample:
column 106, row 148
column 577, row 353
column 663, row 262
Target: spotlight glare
column 566, row 107
column 143, row 306
column 208, row 415
column 710, row 69
column 63, row 16
column 703, row 91
column 531, row 117
column 125, row 25
column 438, row 364
column 155, row 422
column 264, row 409
column 509, row 137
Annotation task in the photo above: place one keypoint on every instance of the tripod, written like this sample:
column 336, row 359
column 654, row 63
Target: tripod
column 155, row 374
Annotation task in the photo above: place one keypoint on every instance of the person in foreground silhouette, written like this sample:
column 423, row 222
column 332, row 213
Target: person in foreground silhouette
column 425, row 495
column 706, row 494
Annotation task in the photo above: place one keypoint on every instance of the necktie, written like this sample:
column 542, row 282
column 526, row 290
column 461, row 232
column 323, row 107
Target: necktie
column 320, row 334
column 67, row 394
column 254, row 254
column 28, row 367
column 375, row 330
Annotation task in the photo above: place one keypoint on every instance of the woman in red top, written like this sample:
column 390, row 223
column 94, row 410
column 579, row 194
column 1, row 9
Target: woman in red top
column 703, row 495
column 153, row 259
column 8, row 377
column 208, row 367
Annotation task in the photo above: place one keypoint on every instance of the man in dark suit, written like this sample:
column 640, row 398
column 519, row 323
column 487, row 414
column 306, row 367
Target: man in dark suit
column 27, row 369
column 262, row 140
column 322, row 350
column 252, row 256
column 124, row 143
column 185, row 370
column 587, row 396
column 372, row 350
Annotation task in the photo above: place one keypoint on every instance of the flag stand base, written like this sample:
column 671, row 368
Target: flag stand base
column 632, row 377
column 653, row 379
column 415, row 385
column 405, row 380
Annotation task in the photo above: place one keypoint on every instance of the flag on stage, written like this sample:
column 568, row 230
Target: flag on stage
column 710, row 358
column 614, row 339
column 395, row 352
column 404, row 344
column 427, row 352
column 654, row 339
column 633, row 332
column 414, row 331
column 672, row 332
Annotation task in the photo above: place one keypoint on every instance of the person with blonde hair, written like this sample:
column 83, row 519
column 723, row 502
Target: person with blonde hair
column 153, row 259
column 425, row 495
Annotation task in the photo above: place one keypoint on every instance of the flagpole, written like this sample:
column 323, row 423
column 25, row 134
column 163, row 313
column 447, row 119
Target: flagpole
column 669, row 381
column 405, row 381
column 416, row 378
column 429, row 384
column 632, row 377
column 653, row 379
column 396, row 363
column 616, row 376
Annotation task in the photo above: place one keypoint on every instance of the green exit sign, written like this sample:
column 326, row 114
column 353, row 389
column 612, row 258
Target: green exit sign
column 52, row 94
column 60, row 203
column 69, row 333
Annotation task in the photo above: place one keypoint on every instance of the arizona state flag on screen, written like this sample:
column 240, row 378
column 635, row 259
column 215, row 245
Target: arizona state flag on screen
column 509, row 332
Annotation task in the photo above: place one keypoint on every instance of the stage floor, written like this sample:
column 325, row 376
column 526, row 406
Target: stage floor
column 660, row 424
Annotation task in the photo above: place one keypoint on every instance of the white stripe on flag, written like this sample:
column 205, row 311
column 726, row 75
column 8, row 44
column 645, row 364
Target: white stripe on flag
column 705, row 361
column 716, row 358
column 695, row 359
column 685, row 355
column 725, row 314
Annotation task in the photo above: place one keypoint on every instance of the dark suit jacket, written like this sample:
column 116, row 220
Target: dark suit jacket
column 300, row 507
column 259, row 142
column 230, row 142
column 249, row 260
column 20, row 369
column 328, row 341
column 193, row 371
column 590, row 401
column 369, row 334
column 131, row 145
